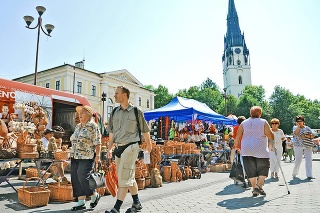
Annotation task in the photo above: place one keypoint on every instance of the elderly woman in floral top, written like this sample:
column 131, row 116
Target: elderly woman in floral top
column 86, row 148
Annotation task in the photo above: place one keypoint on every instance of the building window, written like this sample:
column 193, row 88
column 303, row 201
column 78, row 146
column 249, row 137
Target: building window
column 110, row 108
column 148, row 102
column 94, row 90
column 57, row 85
column 47, row 85
column 79, row 87
column 139, row 101
column 240, row 79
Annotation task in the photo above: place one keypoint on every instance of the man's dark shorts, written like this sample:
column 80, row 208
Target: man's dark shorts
column 256, row 167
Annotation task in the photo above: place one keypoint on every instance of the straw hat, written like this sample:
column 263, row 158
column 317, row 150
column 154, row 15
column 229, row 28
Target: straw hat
column 86, row 107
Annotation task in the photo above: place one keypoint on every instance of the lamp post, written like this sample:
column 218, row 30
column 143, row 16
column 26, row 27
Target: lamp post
column 225, row 99
column 49, row 28
column 103, row 99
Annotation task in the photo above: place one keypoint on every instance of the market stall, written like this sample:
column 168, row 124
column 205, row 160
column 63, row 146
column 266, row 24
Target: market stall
column 189, row 121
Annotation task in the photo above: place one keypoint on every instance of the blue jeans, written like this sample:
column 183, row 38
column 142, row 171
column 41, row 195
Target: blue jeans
column 80, row 170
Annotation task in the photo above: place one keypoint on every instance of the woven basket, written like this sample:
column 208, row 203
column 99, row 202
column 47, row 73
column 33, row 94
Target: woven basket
column 169, row 150
column 27, row 148
column 147, row 182
column 140, row 183
column 25, row 155
column 196, row 151
column 61, row 192
column 33, row 172
column 33, row 196
column 61, row 155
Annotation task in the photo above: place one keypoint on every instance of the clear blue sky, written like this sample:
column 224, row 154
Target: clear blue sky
column 176, row 43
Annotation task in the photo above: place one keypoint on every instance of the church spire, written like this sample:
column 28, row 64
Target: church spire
column 233, row 36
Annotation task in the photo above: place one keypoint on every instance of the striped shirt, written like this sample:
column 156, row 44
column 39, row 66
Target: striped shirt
column 297, row 138
column 254, row 141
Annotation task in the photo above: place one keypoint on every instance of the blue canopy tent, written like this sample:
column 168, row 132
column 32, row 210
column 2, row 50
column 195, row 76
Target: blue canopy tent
column 183, row 109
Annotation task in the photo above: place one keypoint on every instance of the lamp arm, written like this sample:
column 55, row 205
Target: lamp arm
column 44, row 31
column 32, row 28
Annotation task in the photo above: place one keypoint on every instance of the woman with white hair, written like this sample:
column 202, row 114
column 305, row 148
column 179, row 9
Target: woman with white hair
column 86, row 148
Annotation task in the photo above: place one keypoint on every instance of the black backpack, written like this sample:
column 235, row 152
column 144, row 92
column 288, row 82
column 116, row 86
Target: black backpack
column 138, row 123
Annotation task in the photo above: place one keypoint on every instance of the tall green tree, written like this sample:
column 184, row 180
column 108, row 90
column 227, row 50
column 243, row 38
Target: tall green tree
column 280, row 101
column 211, row 97
column 208, row 83
column 163, row 97
column 252, row 96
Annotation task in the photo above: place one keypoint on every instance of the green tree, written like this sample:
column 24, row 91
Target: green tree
column 280, row 101
column 162, row 97
column 208, row 83
column 252, row 96
column 211, row 97
column 149, row 87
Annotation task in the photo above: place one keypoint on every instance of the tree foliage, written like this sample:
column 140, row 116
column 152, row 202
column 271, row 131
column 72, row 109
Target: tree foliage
column 282, row 104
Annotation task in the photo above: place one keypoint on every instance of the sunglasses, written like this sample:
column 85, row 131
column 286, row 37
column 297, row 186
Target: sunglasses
column 299, row 121
column 273, row 123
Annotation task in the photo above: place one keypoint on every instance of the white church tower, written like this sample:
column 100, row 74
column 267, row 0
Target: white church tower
column 235, row 59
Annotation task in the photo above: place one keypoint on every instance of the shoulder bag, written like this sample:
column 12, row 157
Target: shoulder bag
column 236, row 173
column 96, row 178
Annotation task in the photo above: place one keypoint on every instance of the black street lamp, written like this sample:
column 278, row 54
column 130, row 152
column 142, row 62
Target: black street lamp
column 49, row 28
column 103, row 99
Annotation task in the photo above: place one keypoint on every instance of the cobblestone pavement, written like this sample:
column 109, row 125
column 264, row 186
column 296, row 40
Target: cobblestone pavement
column 214, row 192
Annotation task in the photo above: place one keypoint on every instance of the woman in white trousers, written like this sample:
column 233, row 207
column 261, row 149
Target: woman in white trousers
column 301, row 131
column 275, row 157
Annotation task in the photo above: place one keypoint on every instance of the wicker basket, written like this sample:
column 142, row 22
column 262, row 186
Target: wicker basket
column 61, row 192
column 169, row 150
column 61, row 155
column 140, row 183
column 196, row 151
column 33, row 196
column 33, row 172
column 25, row 155
column 29, row 148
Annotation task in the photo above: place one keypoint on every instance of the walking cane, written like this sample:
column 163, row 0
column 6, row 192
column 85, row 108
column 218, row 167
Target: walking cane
column 275, row 151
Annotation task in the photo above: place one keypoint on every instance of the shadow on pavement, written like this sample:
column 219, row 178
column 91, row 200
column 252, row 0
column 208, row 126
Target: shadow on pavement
column 242, row 203
column 271, row 180
column 297, row 180
column 231, row 189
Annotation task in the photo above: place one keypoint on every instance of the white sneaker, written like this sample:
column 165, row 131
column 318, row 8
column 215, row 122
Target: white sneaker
column 272, row 174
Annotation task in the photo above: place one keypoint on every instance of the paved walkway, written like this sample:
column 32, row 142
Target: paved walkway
column 214, row 192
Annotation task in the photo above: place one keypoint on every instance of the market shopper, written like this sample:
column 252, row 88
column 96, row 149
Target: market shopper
column 275, row 156
column 237, row 148
column 300, row 132
column 255, row 133
column 86, row 148
column 123, row 131
column 235, row 130
column 289, row 144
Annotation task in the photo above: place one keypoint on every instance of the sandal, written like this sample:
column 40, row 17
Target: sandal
column 255, row 194
column 259, row 190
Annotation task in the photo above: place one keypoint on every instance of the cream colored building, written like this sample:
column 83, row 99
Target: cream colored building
column 76, row 79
